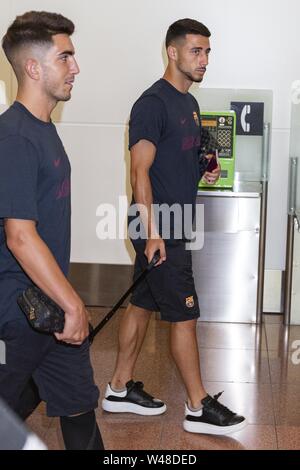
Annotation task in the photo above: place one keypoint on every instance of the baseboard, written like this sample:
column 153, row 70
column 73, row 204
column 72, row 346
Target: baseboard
column 100, row 284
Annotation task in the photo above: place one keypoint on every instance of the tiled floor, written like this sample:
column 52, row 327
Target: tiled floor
column 255, row 366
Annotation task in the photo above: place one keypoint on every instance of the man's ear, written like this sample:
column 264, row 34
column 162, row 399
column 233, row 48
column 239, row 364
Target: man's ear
column 32, row 69
column 172, row 52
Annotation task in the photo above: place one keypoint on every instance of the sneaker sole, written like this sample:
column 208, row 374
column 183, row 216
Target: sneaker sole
column 126, row 407
column 205, row 428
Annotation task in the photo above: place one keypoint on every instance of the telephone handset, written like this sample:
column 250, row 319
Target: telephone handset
column 245, row 125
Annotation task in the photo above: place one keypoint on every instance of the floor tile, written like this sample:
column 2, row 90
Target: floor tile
column 288, row 437
column 234, row 365
column 282, row 338
column 252, row 437
column 284, row 367
column 131, row 435
column 231, row 336
column 286, row 404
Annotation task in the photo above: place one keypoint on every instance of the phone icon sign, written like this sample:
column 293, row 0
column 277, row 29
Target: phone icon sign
column 245, row 111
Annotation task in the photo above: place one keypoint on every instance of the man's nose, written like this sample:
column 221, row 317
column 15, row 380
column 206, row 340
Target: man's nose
column 203, row 59
column 74, row 67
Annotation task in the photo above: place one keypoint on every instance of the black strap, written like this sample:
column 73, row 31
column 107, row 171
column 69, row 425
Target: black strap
column 103, row 322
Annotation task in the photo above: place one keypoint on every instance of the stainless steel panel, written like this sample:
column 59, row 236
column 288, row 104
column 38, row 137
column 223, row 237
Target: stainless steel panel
column 226, row 268
column 240, row 189
column 228, row 215
column 220, row 214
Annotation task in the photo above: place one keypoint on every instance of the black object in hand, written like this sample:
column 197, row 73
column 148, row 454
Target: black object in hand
column 208, row 145
column 42, row 312
column 212, row 163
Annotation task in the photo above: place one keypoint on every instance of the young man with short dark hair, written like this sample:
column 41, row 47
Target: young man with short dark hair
column 164, row 141
column 35, row 231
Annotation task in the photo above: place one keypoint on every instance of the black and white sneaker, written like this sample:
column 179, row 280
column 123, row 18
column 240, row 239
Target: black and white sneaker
column 213, row 418
column 132, row 400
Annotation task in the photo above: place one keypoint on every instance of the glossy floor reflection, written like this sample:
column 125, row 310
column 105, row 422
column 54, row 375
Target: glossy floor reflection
column 258, row 367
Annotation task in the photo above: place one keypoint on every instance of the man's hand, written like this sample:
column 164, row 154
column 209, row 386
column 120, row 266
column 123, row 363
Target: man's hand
column 76, row 328
column 38, row 262
column 212, row 177
column 154, row 244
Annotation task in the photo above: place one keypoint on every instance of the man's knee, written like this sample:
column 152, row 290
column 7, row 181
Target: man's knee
column 138, row 311
column 188, row 325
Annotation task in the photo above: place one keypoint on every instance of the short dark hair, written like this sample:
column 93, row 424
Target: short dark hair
column 180, row 28
column 34, row 27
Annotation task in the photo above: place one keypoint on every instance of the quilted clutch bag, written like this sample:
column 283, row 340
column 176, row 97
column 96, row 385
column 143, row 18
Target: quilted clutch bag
column 42, row 313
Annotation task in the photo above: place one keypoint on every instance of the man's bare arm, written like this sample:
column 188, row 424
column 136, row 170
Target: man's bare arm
column 40, row 265
column 142, row 157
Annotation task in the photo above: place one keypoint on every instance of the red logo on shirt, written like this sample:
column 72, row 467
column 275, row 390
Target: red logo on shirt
column 64, row 189
column 190, row 142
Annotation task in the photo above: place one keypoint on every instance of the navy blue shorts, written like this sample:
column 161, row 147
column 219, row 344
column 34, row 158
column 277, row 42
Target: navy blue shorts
column 168, row 288
column 63, row 373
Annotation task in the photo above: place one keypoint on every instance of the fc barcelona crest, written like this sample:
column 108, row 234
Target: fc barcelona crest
column 189, row 302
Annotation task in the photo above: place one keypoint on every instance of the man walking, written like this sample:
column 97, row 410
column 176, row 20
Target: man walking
column 35, row 231
column 164, row 141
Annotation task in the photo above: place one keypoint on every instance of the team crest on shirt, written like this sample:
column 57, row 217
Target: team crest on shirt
column 196, row 119
column 189, row 302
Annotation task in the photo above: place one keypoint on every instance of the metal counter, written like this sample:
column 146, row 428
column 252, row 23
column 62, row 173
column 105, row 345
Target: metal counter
column 226, row 269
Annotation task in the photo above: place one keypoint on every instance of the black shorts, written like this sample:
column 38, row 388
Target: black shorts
column 168, row 288
column 63, row 373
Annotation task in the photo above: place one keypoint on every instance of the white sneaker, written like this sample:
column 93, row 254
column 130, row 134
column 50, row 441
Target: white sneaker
column 132, row 400
column 212, row 418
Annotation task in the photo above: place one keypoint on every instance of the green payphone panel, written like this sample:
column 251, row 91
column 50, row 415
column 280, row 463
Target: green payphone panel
column 222, row 126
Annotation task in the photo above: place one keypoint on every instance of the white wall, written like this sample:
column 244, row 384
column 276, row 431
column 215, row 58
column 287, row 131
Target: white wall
column 119, row 49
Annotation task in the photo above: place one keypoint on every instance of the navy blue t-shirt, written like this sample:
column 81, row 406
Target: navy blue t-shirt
column 34, row 185
column 171, row 121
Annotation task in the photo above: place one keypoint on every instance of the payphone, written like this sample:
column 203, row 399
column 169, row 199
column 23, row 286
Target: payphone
column 222, row 127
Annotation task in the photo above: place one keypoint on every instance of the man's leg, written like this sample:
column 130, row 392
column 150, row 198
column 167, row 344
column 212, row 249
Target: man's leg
column 203, row 413
column 123, row 395
column 184, row 349
column 25, row 349
column 132, row 332
column 81, row 432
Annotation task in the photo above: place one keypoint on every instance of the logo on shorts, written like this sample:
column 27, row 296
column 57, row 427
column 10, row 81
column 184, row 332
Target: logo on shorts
column 189, row 302
column 196, row 119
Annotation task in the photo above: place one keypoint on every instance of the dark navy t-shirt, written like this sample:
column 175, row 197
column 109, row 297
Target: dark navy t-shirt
column 34, row 185
column 171, row 121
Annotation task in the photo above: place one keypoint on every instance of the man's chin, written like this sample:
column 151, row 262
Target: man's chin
column 197, row 79
column 64, row 97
